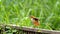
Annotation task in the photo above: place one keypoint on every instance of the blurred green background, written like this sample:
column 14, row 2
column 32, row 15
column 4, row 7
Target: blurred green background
column 18, row 12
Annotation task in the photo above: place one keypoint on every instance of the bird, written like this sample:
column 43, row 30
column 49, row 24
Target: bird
column 35, row 20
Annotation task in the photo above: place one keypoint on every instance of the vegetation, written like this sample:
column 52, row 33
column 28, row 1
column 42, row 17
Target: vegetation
column 18, row 12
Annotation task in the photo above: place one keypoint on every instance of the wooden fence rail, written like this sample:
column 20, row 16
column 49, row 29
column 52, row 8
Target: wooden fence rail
column 28, row 30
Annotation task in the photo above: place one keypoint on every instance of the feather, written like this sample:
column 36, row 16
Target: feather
column 35, row 21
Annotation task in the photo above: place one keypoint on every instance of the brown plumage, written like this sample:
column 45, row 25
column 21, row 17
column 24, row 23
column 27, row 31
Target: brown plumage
column 35, row 21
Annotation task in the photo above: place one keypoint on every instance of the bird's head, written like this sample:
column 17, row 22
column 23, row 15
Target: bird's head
column 32, row 17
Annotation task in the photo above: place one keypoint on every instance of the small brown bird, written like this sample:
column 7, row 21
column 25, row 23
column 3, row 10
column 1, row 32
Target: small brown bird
column 35, row 20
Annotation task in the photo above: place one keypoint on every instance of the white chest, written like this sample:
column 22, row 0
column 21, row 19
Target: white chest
column 32, row 20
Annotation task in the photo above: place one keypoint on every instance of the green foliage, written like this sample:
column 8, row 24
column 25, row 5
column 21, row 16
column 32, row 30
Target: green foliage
column 18, row 12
